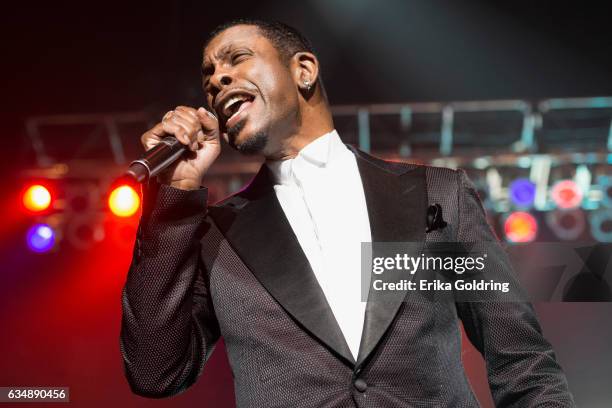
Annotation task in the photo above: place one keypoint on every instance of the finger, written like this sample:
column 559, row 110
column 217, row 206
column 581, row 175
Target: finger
column 190, row 130
column 187, row 117
column 178, row 131
column 207, row 119
column 167, row 115
column 190, row 116
column 152, row 137
column 200, row 136
column 187, row 109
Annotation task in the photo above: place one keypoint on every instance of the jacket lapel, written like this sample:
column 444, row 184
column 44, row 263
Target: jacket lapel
column 256, row 227
column 396, row 198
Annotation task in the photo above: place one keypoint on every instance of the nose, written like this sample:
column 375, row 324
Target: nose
column 217, row 82
column 220, row 80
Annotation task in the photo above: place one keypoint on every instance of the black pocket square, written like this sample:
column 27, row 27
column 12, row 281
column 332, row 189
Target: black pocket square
column 434, row 219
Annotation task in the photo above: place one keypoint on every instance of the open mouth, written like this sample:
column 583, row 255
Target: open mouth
column 233, row 108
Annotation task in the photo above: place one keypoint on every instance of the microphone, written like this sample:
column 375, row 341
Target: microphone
column 156, row 159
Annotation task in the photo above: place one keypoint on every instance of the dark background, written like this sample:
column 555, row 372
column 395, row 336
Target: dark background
column 60, row 313
column 70, row 57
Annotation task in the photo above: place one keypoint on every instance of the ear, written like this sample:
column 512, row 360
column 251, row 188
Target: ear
column 305, row 67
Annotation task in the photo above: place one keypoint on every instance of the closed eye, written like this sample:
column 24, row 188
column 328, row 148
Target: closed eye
column 239, row 57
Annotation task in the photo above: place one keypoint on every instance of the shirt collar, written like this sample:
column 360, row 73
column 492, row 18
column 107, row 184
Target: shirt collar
column 320, row 152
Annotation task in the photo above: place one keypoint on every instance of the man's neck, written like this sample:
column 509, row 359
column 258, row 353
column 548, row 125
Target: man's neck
column 316, row 121
column 299, row 141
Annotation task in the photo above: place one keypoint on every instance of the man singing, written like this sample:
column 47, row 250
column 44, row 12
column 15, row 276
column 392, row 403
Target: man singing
column 275, row 268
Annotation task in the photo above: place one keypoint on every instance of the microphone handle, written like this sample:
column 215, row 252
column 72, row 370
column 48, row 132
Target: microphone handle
column 156, row 159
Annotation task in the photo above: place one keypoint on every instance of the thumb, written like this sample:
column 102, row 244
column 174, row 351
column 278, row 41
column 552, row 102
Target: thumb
column 208, row 120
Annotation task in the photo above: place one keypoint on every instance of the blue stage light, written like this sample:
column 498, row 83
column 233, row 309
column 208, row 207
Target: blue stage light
column 605, row 183
column 40, row 238
column 601, row 225
column 522, row 192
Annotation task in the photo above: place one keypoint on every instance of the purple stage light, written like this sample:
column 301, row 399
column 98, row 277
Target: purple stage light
column 522, row 192
column 40, row 238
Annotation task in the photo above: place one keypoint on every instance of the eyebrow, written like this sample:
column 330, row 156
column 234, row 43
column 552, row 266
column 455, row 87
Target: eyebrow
column 222, row 54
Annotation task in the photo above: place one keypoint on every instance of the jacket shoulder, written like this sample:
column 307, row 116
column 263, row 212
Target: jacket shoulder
column 396, row 166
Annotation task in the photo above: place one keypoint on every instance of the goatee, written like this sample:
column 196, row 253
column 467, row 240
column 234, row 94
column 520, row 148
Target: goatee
column 252, row 145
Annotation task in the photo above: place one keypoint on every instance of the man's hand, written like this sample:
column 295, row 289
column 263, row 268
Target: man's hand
column 198, row 130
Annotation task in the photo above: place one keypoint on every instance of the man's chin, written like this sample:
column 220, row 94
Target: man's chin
column 248, row 144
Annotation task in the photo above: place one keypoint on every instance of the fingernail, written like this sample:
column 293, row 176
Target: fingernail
column 209, row 113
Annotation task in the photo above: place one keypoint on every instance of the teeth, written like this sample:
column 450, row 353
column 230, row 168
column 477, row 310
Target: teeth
column 231, row 100
column 240, row 109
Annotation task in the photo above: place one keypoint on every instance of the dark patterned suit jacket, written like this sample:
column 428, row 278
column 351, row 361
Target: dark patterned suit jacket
column 237, row 270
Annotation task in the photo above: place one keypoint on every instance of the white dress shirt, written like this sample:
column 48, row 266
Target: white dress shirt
column 321, row 193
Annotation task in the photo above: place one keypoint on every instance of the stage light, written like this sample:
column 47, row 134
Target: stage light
column 566, row 194
column 520, row 226
column 124, row 201
column 605, row 183
column 36, row 198
column 84, row 231
column 522, row 192
column 40, row 238
column 566, row 224
column 82, row 197
column 601, row 225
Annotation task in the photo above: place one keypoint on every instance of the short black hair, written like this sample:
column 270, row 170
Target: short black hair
column 286, row 39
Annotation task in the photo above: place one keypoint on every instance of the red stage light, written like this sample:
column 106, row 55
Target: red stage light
column 566, row 194
column 36, row 198
column 521, row 226
column 124, row 201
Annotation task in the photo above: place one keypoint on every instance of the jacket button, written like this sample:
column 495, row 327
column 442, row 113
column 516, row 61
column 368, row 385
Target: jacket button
column 360, row 385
